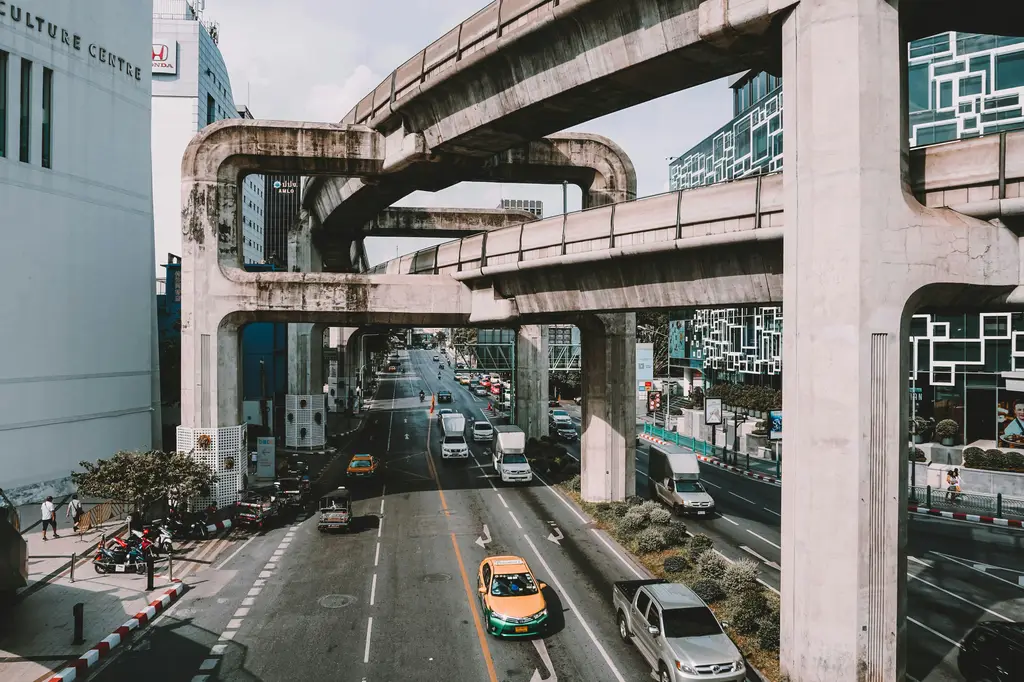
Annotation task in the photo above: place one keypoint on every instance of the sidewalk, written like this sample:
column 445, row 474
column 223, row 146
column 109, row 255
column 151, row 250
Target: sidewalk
column 36, row 632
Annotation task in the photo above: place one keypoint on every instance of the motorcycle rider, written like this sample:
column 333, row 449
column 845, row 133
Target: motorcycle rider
column 422, row 396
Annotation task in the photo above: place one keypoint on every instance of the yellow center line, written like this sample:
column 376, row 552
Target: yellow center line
column 481, row 636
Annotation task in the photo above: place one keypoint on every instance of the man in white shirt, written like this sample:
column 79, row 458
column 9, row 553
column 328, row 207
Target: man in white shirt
column 49, row 514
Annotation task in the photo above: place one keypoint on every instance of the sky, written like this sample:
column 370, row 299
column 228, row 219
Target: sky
column 312, row 60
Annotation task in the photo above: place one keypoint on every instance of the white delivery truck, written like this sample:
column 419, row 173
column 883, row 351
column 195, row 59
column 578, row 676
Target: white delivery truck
column 453, row 442
column 675, row 476
column 510, row 461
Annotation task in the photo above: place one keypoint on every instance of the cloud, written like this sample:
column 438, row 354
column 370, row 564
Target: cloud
column 329, row 102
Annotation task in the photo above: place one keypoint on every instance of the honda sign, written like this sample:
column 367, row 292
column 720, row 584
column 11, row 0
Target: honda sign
column 165, row 57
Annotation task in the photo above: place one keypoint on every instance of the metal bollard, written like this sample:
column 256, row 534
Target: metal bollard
column 78, row 610
column 149, row 572
column 928, row 496
column 999, row 505
column 170, row 566
column 748, row 461
column 74, row 559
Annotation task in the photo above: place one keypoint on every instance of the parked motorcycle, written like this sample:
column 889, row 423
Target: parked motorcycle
column 159, row 536
column 119, row 557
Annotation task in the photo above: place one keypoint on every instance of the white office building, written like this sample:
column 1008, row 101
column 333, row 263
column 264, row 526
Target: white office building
column 77, row 343
column 191, row 90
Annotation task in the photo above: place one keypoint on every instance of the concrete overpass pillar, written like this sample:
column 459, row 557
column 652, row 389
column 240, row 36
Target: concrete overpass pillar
column 302, row 346
column 532, row 380
column 608, row 439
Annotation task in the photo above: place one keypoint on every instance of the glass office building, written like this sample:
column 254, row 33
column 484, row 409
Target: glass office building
column 960, row 85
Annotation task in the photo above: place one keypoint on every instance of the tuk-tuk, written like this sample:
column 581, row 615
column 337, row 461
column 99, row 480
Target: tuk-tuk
column 290, row 492
column 257, row 507
column 335, row 510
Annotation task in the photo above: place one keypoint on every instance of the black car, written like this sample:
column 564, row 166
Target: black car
column 290, row 492
column 444, row 396
column 992, row 652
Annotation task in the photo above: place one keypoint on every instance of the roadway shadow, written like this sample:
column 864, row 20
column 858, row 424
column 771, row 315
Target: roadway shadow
column 364, row 523
column 556, row 612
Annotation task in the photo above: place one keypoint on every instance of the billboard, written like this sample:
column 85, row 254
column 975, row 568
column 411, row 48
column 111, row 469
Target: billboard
column 775, row 430
column 677, row 339
column 165, row 57
column 1010, row 419
column 644, row 368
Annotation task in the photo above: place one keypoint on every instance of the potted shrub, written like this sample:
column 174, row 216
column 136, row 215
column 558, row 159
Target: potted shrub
column 946, row 430
column 920, row 429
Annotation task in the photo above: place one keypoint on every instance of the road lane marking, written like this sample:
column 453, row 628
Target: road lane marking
column 918, row 561
column 761, row 537
column 208, row 664
column 772, row 564
column 228, row 635
column 248, row 601
column 380, row 525
column 934, row 632
column 234, row 623
column 741, row 497
column 572, row 605
column 376, row 555
column 373, row 589
column 515, row 519
column 391, row 422
column 242, row 612
column 501, row 498
column 369, row 631
column 963, row 599
column 235, row 553
column 481, row 635
column 618, row 554
column 382, row 505
column 772, row 511
column 218, row 649
column 727, row 519
column 713, row 485
column 255, row 592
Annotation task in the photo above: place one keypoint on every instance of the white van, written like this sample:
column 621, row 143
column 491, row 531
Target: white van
column 509, row 458
column 675, row 476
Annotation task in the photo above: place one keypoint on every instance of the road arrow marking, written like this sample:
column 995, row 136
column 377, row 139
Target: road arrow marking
column 553, row 537
column 482, row 541
column 542, row 651
column 407, row 436
column 772, row 564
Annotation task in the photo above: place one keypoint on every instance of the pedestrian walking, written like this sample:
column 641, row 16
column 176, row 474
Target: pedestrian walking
column 74, row 512
column 954, row 485
column 49, row 514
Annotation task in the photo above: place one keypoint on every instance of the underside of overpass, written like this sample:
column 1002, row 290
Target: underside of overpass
column 859, row 254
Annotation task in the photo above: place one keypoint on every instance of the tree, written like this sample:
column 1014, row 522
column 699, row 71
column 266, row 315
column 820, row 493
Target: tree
column 139, row 477
column 652, row 327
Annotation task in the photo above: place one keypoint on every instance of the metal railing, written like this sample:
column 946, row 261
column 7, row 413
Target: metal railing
column 745, row 462
column 997, row 506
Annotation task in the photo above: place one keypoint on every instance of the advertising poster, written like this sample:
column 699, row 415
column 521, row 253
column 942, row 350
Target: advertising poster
column 713, row 411
column 677, row 339
column 1010, row 419
column 644, row 368
column 265, row 458
column 775, row 429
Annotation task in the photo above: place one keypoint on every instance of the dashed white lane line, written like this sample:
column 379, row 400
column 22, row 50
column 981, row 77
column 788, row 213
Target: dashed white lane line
column 254, row 592
column 772, row 511
column 266, row 574
column 918, row 561
column 228, row 635
column 728, row 519
column 242, row 612
column 248, row 601
column 373, row 589
column 741, row 497
column 369, row 631
column 713, row 485
column 502, row 500
column 565, row 597
column 259, row 583
column 382, row 505
column 218, row 649
column 208, row 664
column 376, row 555
column 235, row 553
column 763, row 539
column 200, row 678
column 380, row 526
column 234, row 624
column 515, row 519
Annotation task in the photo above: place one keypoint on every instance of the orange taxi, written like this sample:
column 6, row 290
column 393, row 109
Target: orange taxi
column 363, row 466
column 511, row 599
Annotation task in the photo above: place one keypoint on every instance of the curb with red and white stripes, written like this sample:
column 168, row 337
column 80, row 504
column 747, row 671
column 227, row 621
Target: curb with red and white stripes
column 962, row 516
column 80, row 666
column 720, row 464
column 220, row 525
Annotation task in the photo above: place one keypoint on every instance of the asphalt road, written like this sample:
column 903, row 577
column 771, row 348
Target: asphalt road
column 958, row 573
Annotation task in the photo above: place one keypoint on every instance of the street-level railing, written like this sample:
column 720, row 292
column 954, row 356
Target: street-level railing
column 745, row 462
column 997, row 506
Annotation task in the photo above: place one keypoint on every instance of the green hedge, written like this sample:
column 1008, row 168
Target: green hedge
column 994, row 460
column 748, row 397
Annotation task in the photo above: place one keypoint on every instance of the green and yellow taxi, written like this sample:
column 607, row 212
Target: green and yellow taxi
column 511, row 599
column 363, row 466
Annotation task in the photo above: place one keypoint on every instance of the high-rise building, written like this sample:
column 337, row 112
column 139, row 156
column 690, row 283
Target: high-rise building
column 283, row 194
column 77, row 371
column 191, row 90
column 531, row 205
column 960, row 85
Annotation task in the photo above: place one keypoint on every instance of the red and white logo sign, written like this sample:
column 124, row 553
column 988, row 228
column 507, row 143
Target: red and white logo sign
column 165, row 57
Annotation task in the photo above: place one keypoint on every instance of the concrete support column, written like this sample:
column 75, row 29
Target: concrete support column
column 860, row 256
column 302, row 347
column 532, row 380
column 608, row 439
column 211, row 375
